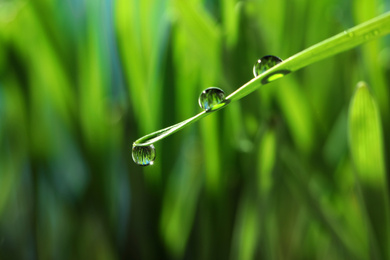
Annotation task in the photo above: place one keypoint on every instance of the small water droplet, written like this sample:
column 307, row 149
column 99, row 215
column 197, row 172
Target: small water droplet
column 144, row 155
column 375, row 32
column 211, row 98
column 265, row 63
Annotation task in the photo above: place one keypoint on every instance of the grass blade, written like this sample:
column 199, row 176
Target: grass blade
column 353, row 37
column 365, row 141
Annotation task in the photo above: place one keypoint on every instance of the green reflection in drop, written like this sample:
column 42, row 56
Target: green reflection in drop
column 275, row 77
column 211, row 99
column 144, row 155
column 265, row 63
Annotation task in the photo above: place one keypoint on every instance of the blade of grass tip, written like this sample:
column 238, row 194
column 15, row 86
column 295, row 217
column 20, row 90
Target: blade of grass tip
column 160, row 134
column 370, row 52
column 366, row 147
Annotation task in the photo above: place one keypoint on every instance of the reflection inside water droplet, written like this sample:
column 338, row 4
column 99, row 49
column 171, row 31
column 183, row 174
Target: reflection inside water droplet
column 265, row 63
column 211, row 98
column 144, row 155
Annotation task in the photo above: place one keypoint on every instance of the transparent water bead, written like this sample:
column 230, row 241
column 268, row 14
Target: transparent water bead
column 144, row 155
column 265, row 63
column 211, row 98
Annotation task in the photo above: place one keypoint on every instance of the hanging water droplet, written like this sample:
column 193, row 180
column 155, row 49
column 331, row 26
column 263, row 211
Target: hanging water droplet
column 211, row 98
column 144, row 155
column 265, row 63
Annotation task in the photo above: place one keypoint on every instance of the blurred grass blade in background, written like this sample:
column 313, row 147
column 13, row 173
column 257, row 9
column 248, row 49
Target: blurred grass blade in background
column 367, row 152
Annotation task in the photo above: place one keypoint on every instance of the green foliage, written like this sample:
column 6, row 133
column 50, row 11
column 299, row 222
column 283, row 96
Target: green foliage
column 270, row 177
column 366, row 143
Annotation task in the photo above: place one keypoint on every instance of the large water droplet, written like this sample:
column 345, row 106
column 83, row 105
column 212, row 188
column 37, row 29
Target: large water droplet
column 265, row 63
column 144, row 155
column 211, row 98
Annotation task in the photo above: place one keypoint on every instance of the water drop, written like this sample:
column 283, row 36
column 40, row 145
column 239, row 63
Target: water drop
column 144, row 155
column 265, row 63
column 211, row 98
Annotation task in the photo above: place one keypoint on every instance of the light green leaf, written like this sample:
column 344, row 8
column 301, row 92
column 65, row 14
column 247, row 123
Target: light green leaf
column 366, row 146
column 365, row 137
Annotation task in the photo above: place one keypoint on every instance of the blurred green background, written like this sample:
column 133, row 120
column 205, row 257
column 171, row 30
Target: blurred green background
column 296, row 170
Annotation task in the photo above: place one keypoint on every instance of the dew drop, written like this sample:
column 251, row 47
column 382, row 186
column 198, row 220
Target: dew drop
column 211, row 99
column 144, row 155
column 265, row 63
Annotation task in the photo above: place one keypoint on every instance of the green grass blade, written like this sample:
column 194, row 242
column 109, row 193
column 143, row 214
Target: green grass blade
column 346, row 40
column 353, row 37
column 365, row 141
column 160, row 134
column 266, row 162
column 365, row 136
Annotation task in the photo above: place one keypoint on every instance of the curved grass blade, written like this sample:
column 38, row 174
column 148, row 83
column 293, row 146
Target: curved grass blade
column 372, row 29
column 160, row 134
column 366, row 144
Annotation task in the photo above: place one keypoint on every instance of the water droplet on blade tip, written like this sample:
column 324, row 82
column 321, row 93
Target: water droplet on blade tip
column 144, row 155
